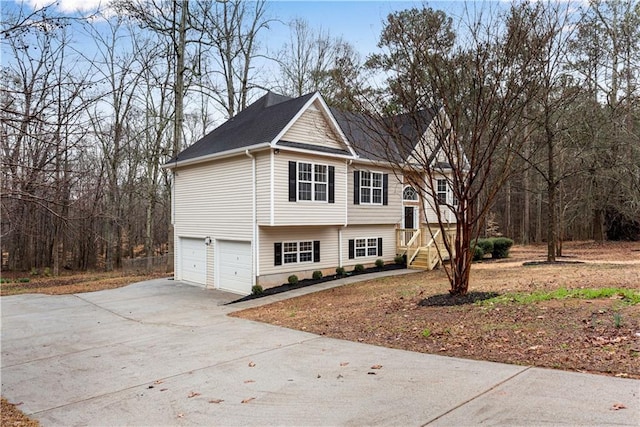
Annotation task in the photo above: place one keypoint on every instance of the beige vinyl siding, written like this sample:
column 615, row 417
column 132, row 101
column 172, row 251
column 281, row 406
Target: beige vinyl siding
column 328, row 237
column 263, row 186
column 214, row 199
column 312, row 127
column 307, row 212
column 446, row 214
column 376, row 214
column 386, row 231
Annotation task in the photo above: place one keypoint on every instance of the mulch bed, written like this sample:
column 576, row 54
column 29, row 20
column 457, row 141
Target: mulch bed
column 285, row 287
column 448, row 300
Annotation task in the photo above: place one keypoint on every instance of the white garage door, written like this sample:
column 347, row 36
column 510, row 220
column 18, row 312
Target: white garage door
column 234, row 264
column 193, row 260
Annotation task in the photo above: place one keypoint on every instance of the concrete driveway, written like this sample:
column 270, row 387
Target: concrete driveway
column 165, row 353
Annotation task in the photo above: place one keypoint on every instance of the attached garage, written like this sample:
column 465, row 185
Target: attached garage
column 234, row 266
column 193, row 260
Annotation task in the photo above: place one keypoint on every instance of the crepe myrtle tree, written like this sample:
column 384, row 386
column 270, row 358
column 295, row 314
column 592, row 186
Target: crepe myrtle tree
column 473, row 90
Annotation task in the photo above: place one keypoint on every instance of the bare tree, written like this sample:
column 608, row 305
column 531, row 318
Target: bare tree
column 476, row 90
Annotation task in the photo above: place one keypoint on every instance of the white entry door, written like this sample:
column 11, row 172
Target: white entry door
column 234, row 266
column 193, row 260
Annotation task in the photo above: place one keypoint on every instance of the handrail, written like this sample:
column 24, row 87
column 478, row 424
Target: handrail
column 412, row 247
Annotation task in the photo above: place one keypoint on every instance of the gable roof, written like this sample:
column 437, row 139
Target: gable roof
column 259, row 123
column 267, row 119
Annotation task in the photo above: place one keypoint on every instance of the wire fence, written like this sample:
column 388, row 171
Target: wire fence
column 154, row 264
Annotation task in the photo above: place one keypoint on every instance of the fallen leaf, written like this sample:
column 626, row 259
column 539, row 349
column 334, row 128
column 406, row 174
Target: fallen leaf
column 180, row 415
column 376, row 367
column 249, row 381
column 164, row 389
column 193, row 394
column 618, row 406
column 216, row 401
column 251, row 364
column 339, row 376
column 371, row 373
column 158, row 382
column 344, row 363
column 319, row 376
column 247, row 400
column 150, row 386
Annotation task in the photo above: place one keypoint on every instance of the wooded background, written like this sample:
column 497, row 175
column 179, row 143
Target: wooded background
column 87, row 124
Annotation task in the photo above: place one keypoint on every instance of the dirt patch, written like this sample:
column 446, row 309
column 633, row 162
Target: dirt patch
column 70, row 283
column 409, row 312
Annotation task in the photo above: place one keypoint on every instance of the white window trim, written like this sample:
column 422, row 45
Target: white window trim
column 371, row 188
column 313, row 182
column 297, row 252
column 445, row 192
column 366, row 247
column 408, row 187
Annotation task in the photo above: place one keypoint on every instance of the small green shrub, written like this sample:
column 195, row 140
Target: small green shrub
column 5, row 281
column 317, row 274
column 256, row 290
column 34, row 271
column 24, row 280
column 379, row 263
column 426, row 332
column 47, row 271
column 501, row 246
column 486, row 245
column 293, row 279
column 478, row 253
column 340, row 271
column 398, row 259
column 359, row 268
column 617, row 320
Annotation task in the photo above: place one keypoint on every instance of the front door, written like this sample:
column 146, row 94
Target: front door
column 408, row 217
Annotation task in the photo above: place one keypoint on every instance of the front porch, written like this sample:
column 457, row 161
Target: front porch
column 424, row 247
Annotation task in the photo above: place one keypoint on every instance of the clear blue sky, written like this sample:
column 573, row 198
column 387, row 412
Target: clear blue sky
column 358, row 22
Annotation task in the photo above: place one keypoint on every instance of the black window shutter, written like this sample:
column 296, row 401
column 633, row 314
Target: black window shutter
column 316, row 251
column 385, row 189
column 356, row 187
column 332, row 184
column 277, row 254
column 352, row 249
column 379, row 246
column 293, row 174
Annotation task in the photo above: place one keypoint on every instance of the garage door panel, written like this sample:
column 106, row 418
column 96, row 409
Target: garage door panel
column 234, row 263
column 193, row 260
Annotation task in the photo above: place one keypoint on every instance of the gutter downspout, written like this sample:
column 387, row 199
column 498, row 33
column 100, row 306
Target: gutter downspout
column 254, row 231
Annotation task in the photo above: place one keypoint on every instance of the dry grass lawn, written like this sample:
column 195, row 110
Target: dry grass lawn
column 590, row 333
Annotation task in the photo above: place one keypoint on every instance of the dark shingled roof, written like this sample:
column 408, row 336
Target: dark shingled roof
column 259, row 122
column 263, row 120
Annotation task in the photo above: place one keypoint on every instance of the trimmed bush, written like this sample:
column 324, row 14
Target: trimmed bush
column 486, row 245
column 398, row 259
column 317, row 274
column 501, row 246
column 359, row 268
column 340, row 271
column 256, row 290
column 379, row 263
column 293, row 279
column 478, row 253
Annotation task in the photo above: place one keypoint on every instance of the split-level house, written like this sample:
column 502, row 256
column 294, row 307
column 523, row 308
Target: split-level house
column 290, row 186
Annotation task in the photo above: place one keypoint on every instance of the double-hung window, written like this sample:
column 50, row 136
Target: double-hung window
column 442, row 191
column 312, row 182
column 294, row 252
column 370, row 188
column 365, row 247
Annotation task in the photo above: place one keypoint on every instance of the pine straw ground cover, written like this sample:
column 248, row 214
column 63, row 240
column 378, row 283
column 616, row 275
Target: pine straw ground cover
column 580, row 315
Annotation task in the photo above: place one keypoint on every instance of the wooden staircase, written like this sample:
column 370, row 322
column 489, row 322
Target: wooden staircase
column 422, row 254
column 425, row 260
